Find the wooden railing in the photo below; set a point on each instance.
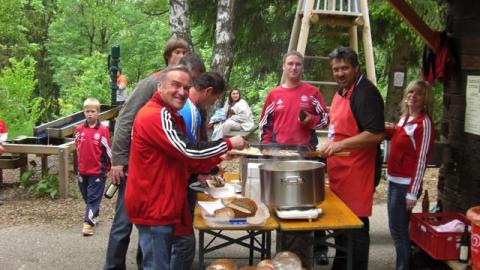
(336, 6)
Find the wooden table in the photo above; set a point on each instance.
(336, 219)
(251, 232)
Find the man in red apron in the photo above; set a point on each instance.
(356, 126)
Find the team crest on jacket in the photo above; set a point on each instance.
(279, 104)
(303, 98)
(96, 136)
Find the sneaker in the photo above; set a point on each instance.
(95, 220)
(87, 229)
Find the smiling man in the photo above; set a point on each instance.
(356, 126)
(161, 161)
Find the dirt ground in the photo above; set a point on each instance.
(21, 207)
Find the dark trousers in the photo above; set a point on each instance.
(91, 188)
(360, 245)
(120, 236)
(298, 242)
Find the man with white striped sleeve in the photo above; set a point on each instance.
(291, 114)
(161, 161)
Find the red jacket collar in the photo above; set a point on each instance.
(97, 125)
(158, 99)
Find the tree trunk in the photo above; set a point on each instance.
(399, 65)
(222, 58)
(179, 22)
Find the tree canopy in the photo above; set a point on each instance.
(53, 53)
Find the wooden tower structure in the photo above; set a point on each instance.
(345, 13)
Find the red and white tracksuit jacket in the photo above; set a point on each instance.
(93, 149)
(161, 161)
(279, 122)
(411, 142)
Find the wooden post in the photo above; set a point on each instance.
(305, 28)
(63, 171)
(412, 18)
(44, 164)
(354, 38)
(367, 43)
(292, 45)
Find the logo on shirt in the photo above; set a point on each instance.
(96, 136)
(303, 98)
(331, 133)
(279, 104)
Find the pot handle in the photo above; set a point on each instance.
(292, 180)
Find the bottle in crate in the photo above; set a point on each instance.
(464, 246)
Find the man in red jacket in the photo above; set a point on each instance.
(161, 161)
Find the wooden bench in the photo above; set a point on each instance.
(12, 162)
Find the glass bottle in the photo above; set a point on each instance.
(110, 190)
(464, 246)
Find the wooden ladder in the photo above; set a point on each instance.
(345, 13)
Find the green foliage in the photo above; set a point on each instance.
(47, 185)
(13, 39)
(17, 106)
(83, 78)
(253, 90)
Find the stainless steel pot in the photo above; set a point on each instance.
(292, 183)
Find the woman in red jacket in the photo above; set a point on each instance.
(411, 142)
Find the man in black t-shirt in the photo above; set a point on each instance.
(356, 126)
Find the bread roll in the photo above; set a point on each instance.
(243, 207)
(225, 212)
(265, 265)
(222, 264)
(249, 268)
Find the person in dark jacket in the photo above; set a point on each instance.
(119, 238)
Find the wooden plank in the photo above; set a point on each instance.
(470, 62)
(412, 18)
(321, 83)
(30, 149)
(336, 215)
(334, 21)
(469, 45)
(68, 130)
(336, 13)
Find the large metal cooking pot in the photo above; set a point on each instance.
(292, 183)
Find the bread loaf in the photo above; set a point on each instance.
(225, 212)
(222, 264)
(243, 207)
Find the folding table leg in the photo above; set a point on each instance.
(201, 250)
(263, 247)
(252, 243)
(269, 243)
(349, 251)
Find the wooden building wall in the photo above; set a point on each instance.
(459, 180)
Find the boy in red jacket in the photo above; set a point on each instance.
(93, 151)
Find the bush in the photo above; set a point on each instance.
(47, 185)
(17, 107)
